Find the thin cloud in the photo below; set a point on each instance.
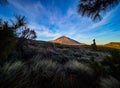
(101, 23)
(49, 21)
(43, 31)
(33, 11)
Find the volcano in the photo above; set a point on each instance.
(66, 40)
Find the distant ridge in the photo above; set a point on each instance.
(66, 40)
(113, 45)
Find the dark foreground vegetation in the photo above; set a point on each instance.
(50, 65)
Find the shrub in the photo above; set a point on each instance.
(109, 82)
(7, 41)
(81, 75)
(14, 75)
(113, 64)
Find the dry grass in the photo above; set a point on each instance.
(50, 65)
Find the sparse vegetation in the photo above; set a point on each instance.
(7, 39)
(53, 65)
(10, 38)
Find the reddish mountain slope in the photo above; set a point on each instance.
(65, 40)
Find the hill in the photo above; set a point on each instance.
(65, 40)
(113, 45)
(60, 52)
(52, 65)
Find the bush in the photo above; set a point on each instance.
(14, 75)
(109, 82)
(7, 42)
(112, 63)
(37, 73)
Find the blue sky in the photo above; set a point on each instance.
(54, 18)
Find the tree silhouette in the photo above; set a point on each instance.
(23, 33)
(27, 33)
(94, 8)
(9, 36)
(19, 24)
(19, 21)
(7, 39)
(2, 2)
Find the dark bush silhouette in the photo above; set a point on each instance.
(112, 63)
(93, 8)
(9, 36)
(7, 39)
(3, 2)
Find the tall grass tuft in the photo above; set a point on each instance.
(109, 82)
(14, 75)
(46, 73)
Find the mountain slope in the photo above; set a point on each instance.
(65, 40)
(113, 45)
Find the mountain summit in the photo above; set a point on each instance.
(65, 40)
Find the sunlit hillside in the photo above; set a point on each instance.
(113, 45)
